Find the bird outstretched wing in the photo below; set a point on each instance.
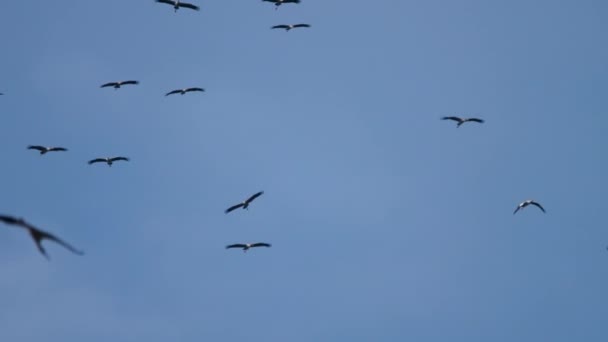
(173, 92)
(474, 120)
(236, 245)
(119, 158)
(187, 5)
(12, 220)
(234, 207)
(129, 82)
(97, 160)
(254, 196)
(168, 2)
(280, 27)
(454, 118)
(301, 25)
(193, 89)
(58, 149)
(110, 84)
(37, 148)
(538, 205)
(517, 209)
(260, 244)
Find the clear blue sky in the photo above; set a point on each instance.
(387, 223)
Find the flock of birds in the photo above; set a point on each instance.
(38, 235)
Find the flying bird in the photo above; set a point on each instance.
(461, 120)
(245, 204)
(38, 235)
(289, 27)
(527, 203)
(246, 246)
(183, 91)
(177, 4)
(44, 149)
(278, 3)
(117, 85)
(109, 161)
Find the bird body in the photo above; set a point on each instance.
(246, 246)
(289, 26)
(44, 149)
(38, 235)
(245, 204)
(183, 91)
(177, 4)
(109, 161)
(118, 84)
(527, 203)
(462, 120)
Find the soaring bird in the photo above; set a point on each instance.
(278, 3)
(177, 4)
(246, 203)
(289, 27)
(461, 120)
(527, 203)
(246, 246)
(38, 235)
(44, 149)
(109, 161)
(183, 91)
(117, 85)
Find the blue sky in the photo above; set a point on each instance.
(387, 224)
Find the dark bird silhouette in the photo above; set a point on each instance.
(117, 85)
(278, 3)
(177, 4)
(245, 204)
(38, 235)
(461, 120)
(183, 91)
(246, 246)
(527, 203)
(109, 161)
(44, 149)
(289, 27)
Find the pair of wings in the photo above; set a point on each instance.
(47, 149)
(178, 91)
(105, 160)
(240, 245)
(38, 235)
(283, 1)
(461, 120)
(521, 205)
(180, 4)
(247, 201)
(289, 26)
(113, 84)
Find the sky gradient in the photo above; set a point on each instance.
(387, 224)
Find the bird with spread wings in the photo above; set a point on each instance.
(183, 91)
(246, 246)
(177, 4)
(44, 149)
(460, 121)
(109, 161)
(118, 84)
(527, 203)
(38, 235)
(288, 27)
(245, 204)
